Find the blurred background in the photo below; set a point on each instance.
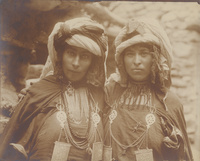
(26, 24)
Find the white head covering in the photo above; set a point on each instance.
(149, 31)
(85, 43)
(145, 31)
(77, 40)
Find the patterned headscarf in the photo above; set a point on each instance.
(79, 32)
(145, 31)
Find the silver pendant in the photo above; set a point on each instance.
(61, 117)
(97, 151)
(96, 119)
(70, 89)
(60, 151)
(107, 153)
(144, 155)
(150, 119)
(112, 115)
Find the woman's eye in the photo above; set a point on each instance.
(129, 53)
(70, 53)
(84, 56)
(145, 53)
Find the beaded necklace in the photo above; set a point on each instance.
(94, 119)
(88, 141)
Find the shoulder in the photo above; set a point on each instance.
(113, 89)
(45, 82)
(51, 79)
(112, 83)
(96, 91)
(173, 101)
(173, 98)
(46, 85)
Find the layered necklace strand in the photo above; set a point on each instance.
(134, 96)
(64, 119)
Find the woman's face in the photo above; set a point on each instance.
(138, 62)
(75, 63)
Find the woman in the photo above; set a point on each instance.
(59, 118)
(145, 120)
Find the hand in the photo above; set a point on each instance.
(22, 93)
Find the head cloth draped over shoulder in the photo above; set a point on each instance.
(144, 31)
(79, 32)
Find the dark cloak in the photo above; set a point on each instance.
(37, 100)
(172, 112)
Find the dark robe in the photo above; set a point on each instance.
(170, 109)
(31, 114)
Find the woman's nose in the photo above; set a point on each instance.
(76, 62)
(137, 59)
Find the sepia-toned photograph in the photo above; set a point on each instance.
(99, 80)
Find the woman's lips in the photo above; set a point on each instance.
(72, 71)
(137, 70)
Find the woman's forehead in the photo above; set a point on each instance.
(140, 46)
(77, 49)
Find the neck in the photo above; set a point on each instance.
(74, 84)
(139, 87)
(138, 83)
